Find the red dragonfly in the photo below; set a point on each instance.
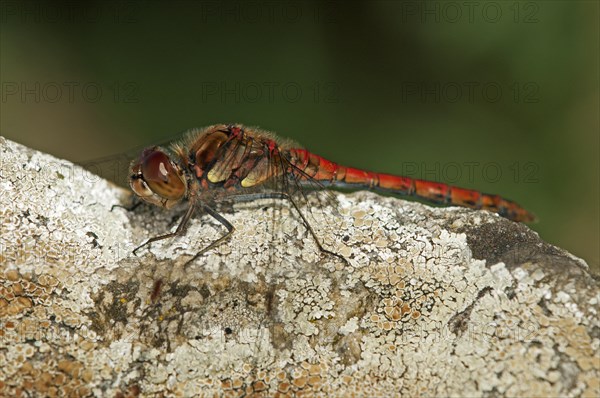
(246, 164)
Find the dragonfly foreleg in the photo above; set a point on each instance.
(179, 231)
(135, 204)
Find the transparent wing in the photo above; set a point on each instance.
(292, 195)
(310, 203)
(116, 167)
(319, 204)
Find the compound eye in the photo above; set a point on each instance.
(161, 175)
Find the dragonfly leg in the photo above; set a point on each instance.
(224, 222)
(180, 229)
(314, 235)
(134, 205)
(282, 195)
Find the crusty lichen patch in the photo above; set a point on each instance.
(419, 307)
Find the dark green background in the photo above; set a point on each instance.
(339, 74)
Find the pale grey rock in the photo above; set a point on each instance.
(431, 301)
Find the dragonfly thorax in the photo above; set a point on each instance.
(156, 179)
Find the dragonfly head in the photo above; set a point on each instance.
(156, 179)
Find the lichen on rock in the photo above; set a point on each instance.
(430, 301)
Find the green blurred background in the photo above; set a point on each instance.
(501, 96)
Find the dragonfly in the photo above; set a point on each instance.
(233, 161)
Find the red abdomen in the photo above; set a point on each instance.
(332, 174)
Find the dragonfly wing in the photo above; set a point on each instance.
(114, 168)
(318, 205)
(117, 167)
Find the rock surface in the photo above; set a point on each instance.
(430, 302)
